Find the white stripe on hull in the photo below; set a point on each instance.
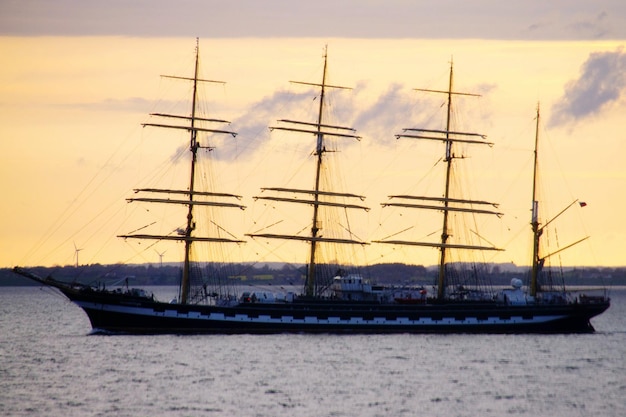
(330, 321)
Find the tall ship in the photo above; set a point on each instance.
(335, 297)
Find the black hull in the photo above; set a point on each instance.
(149, 317)
(133, 312)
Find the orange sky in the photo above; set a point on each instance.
(71, 109)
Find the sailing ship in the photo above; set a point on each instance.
(347, 303)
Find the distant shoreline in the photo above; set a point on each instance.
(288, 274)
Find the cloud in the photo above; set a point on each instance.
(252, 126)
(376, 119)
(583, 21)
(593, 28)
(445, 19)
(387, 115)
(602, 82)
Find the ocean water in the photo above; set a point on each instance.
(51, 366)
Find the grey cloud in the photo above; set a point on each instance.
(394, 109)
(391, 112)
(594, 27)
(252, 127)
(449, 19)
(584, 21)
(377, 122)
(602, 81)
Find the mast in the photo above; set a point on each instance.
(320, 130)
(534, 223)
(193, 148)
(447, 202)
(191, 194)
(537, 227)
(310, 282)
(448, 160)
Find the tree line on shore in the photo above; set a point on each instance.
(289, 274)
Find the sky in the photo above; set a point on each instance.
(79, 77)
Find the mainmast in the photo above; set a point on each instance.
(191, 193)
(447, 203)
(319, 197)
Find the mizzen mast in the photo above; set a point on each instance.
(534, 274)
(191, 195)
(538, 228)
(320, 130)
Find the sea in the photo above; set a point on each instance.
(52, 365)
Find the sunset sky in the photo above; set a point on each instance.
(79, 77)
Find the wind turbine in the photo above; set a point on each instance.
(161, 256)
(76, 250)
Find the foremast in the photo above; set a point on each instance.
(447, 203)
(317, 197)
(191, 195)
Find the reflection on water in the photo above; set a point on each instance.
(50, 366)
